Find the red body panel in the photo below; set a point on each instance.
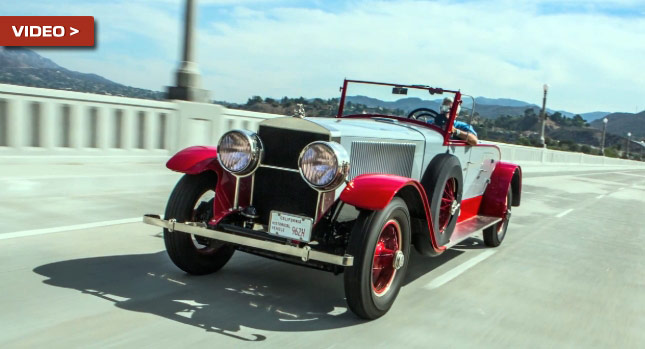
(469, 208)
(375, 191)
(195, 160)
(494, 200)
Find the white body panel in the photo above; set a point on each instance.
(477, 162)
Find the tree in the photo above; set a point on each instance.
(254, 100)
(578, 121)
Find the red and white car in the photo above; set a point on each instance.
(349, 194)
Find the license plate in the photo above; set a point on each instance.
(290, 226)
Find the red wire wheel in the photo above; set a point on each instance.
(447, 199)
(380, 244)
(443, 183)
(387, 245)
(493, 236)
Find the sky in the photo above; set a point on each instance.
(590, 53)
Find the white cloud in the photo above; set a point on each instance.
(591, 60)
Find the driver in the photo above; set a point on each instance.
(460, 130)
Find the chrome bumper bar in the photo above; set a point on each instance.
(305, 253)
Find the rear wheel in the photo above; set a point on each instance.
(192, 201)
(443, 184)
(380, 244)
(494, 235)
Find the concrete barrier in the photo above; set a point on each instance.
(59, 127)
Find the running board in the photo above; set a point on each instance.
(305, 253)
(467, 228)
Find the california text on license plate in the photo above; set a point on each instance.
(290, 226)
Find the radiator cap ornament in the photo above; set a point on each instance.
(300, 111)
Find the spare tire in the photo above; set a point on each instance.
(443, 182)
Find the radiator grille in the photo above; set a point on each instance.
(283, 191)
(280, 189)
(381, 157)
(282, 147)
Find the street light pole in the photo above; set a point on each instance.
(187, 78)
(629, 139)
(604, 130)
(543, 115)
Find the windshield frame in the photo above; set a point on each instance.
(431, 90)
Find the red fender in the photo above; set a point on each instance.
(494, 198)
(197, 159)
(375, 191)
(194, 160)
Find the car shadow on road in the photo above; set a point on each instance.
(248, 293)
(421, 265)
(248, 296)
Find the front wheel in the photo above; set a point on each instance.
(192, 201)
(494, 235)
(380, 244)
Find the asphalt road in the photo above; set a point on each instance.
(571, 273)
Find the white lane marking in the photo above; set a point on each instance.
(631, 174)
(527, 192)
(591, 174)
(621, 188)
(453, 273)
(24, 233)
(600, 196)
(562, 214)
(108, 175)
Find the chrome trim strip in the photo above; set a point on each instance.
(279, 168)
(236, 200)
(305, 253)
(317, 206)
(252, 189)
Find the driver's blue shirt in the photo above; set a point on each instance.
(462, 126)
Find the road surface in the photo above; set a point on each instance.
(571, 273)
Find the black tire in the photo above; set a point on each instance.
(442, 169)
(364, 298)
(494, 235)
(195, 256)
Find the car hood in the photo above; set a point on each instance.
(369, 127)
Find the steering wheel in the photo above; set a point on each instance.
(427, 115)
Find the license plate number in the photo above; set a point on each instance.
(290, 226)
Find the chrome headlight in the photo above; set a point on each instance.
(239, 152)
(324, 165)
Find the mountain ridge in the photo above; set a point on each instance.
(20, 66)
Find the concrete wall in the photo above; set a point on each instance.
(535, 156)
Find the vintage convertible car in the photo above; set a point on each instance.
(347, 194)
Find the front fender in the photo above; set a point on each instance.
(375, 191)
(194, 160)
(506, 175)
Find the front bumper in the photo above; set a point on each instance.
(305, 253)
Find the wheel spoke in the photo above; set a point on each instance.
(383, 259)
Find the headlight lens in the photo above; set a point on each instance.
(239, 152)
(324, 165)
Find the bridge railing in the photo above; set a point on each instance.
(84, 126)
(57, 125)
(533, 155)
